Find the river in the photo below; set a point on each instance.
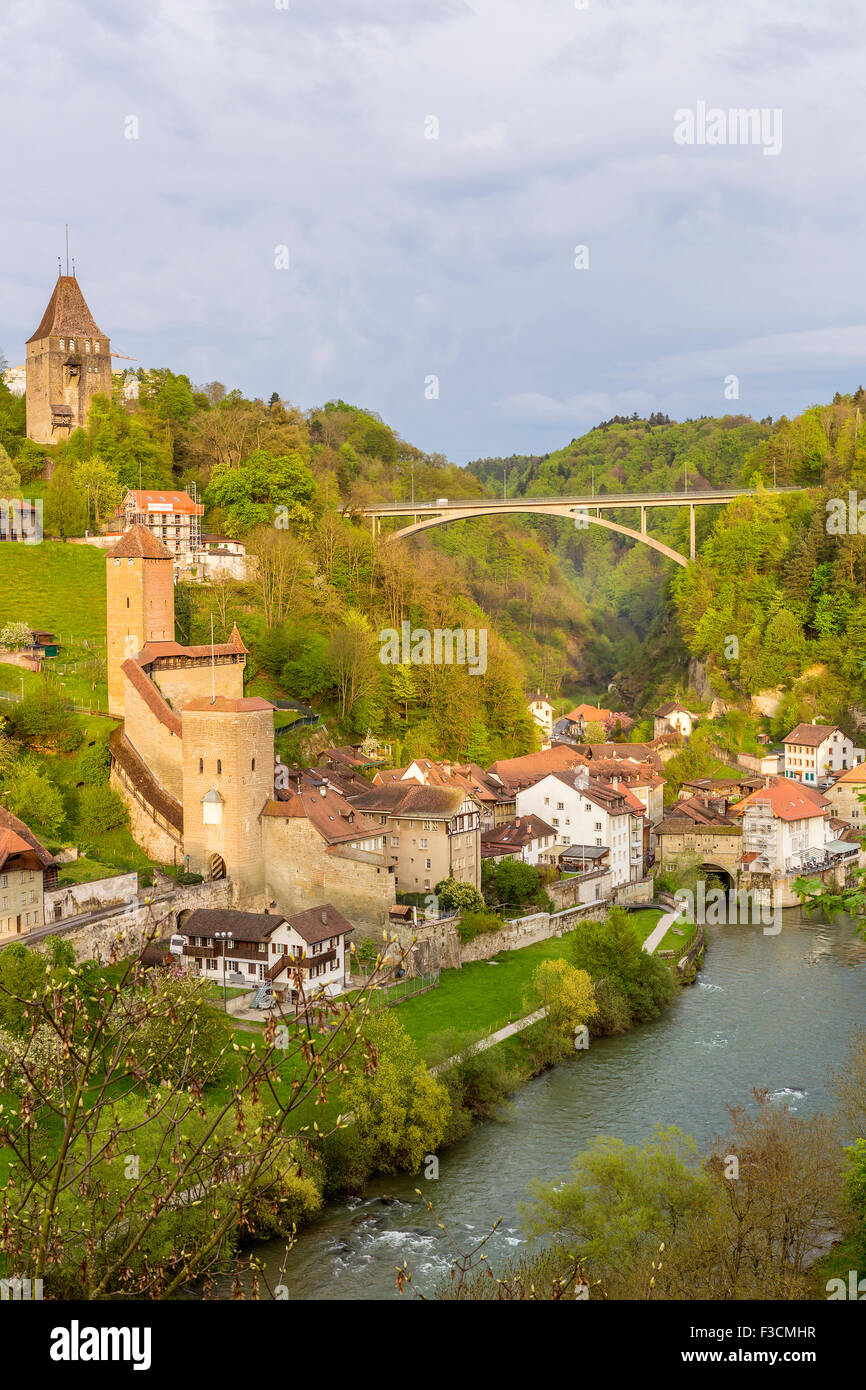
(767, 1011)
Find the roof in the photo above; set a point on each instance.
(223, 705)
(695, 812)
(335, 818)
(523, 771)
(614, 800)
(178, 501)
(515, 834)
(669, 708)
(151, 696)
(856, 774)
(67, 313)
(140, 543)
(319, 923)
(152, 651)
(811, 735)
(411, 798)
(244, 926)
(8, 822)
(584, 852)
(591, 714)
(786, 799)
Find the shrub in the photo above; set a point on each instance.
(474, 924)
(32, 797)
(100, 809)
(458, 897)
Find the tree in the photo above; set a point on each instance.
(399, 1111)
(149, 1171)
(350, 662)
(65, 505)
(10, 480)
(100, 808)
(100, 484)
(282, 561)
(16, 635)
(514, 883)
(610, 950)
(34, 799)
(458, 897)
(566, 993)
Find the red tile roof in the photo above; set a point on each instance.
(811, 735)
(178, 501)
(786, 800)
(151, 696)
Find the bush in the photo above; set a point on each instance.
(41, 720)
(34, 799)
(100, 809)
(93, 763)
(610, 950)
(614, 1014)
(474, 924)
(458, 897)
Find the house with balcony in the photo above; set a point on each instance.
(299, 957)
(431, 833)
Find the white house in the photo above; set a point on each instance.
(542, 712)
(813, 751)
(784, 827)
(305, 951)
(585, 811)
(673, 718)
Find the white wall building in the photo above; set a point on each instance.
(267, 948)
(813, 751)
(585, 811)
(784, 826)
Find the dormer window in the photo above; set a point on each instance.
(95, 347)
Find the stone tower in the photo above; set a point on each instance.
(140, 607)
(228, 779)
(68, 362)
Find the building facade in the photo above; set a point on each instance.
(815, 751)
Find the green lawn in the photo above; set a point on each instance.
(55, 586)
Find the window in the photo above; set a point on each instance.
(547, 801)
(252, 764)
(422, 844)
(127, 603)
(560, 805)
(201, 765)
(428, 864)
(219, 766)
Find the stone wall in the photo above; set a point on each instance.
(77, 898)
(156, 842)
(125, 931)
(639, 892)
(438, 946)
(302, 872)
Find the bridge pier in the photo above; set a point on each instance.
(692, 532)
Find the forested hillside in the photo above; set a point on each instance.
(773, 596)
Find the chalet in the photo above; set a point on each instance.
(300, 956)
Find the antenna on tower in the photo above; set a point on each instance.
(67, 248)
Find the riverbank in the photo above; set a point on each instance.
(751, 1020)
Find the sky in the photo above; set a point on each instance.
(383, 200)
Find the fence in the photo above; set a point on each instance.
(407, 988)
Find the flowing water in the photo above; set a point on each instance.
(767, 1011)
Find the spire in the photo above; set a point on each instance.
(67, 313)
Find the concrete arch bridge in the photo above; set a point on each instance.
(583, 511)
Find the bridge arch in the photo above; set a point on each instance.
(569, 512)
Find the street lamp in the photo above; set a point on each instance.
(225, 937)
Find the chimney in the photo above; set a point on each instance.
(324, 917)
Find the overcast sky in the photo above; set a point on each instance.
(261, 127)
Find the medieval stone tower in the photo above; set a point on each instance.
(228, 779)
(68, 362)
(140, 609)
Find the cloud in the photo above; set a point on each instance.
(409, 255)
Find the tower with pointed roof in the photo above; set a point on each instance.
(140, 604)
(68, 362)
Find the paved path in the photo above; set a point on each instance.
(658, 931)
(507, 1032)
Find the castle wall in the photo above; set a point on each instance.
(148, 834)
(140, 609)
(159, 748)
(182, 683)
(301, 873)
(231, 752)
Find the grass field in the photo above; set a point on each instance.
(55, 586)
